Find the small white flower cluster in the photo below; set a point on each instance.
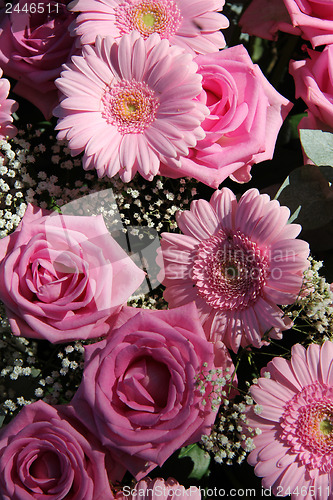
(313, 310)
(17, 356)
(12, 191)
(214, 386)
(232, 438)
(52, 375)
(230, 441)
(151, 300)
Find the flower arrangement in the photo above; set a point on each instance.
(166, 306)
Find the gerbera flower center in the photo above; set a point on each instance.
(310, 430)
(148, 16)
(229, 270)
(130, 106)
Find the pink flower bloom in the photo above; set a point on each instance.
(63, 277)
(33, 46)
(314, 18)
(236, 261)
(192, 25)
(314, 83)
(7, 107)
(139, 393)
(264, 18)
(246, 114)
(46, 453)
(158, 489)
(311, 19)
(130, 105)
(293, 453)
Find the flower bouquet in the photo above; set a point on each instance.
(166, 249)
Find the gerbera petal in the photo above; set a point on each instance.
(125, 57)
(292, 475)
(270, 451)
(312, 358)
(266, 467)
(200, 222)
(183, 242)
(280, 391)
(283, 372)
(249, 211)
(300, 370)
(326, 359)
(224, 203)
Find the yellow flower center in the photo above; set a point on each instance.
(148, 18)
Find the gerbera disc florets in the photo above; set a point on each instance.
(130, 106)
(307, 424)
(230, 270)
(148, 16)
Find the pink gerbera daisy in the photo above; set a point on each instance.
(193, 25)
(158, 489)
(294, 412)
(130, 105)
(236, 261)
(7, 107)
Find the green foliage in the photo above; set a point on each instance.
(318, 146)
(200, 459)
(307, 192)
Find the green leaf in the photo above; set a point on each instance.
(2, 418)
(257, 49)
(35, 372)
(293, 122)
(318, 146)
(294, 215)
(308, 193)
(200, 459)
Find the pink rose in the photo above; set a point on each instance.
(139, 393)
(246, 114)
(44, 453)
(63, 276)
(314, 18)
(158, 489)
(311, 19)
(314, 83)
(33, 46)
(264, 18)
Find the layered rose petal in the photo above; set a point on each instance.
(246, 114)
(33, 47)
(237, 261)
(46, 453)
(63, 277)
(311, 19)
(293, 451)
(314, 18)
(314, 84)
(264, 18)
(139, 392)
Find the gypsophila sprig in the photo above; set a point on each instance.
(312, 313)
(211, 385)
(229, 432)
(12, 188)
(52, 374)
